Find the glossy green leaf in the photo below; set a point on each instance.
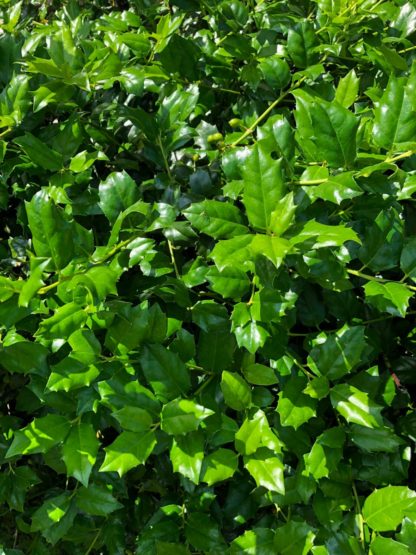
(347, 89)
(187, 454)
(338, 354)
(220, 220)
(375, 439)
(325, 454)
(79, 452)
(236, 391)
(133, 419)
(230, 282)
(259, 374)
(117, 193)
(394, 122)
(356, 406)
(266, 469)
(294, 407)
(129, 450)
(263, 186)
(253, 542)
(255, 432)
(326, 131)
(384, 546)
(39, 436)
(273, 248)
(218, 466)
(388, 297)
(23, 356)
(385, 508)
(165, 372)
(95, 500)
(232, 252)
(182, 416)
(203, 533)
(39, 152)
(294, 538)
(54, 235)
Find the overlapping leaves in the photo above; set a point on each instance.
(207, 267)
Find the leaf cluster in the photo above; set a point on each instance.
(207, 272)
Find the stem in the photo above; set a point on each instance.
(111, 253)
(253, 291)
(406, 154)
(165, 160)
(204, 385)
(374, 278)
(172, 257)
(359, 514)
(311, 181)
(3, 133)
(94, 541)
(262, 116)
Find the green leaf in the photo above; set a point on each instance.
(128, 451)
(388, 297)
(356, 406)
(273, 248)
(51, 512)
(294, 538)
(71, 374)
(203, 533)
(301, 40)
(221, 220)
(394, 115)
(408, 258)
(335, 188)
(23, 356)
(336, 355)
(219, 466)
(165, 372)
(39, 436)
(283, 215)
(347, 89)
(53, 234)
(39, 152)
(182, 416)
(407, 534)
(237, 394)
(383, 241)
(266, 469)
(187, 454)
(79, 452)
(96, 500)
(384, 509)
(259, 374)
(117, 193)
(65, 321)
(263, 186)
(321, 235)
(325, 454)
(318, 388)
(258, 541)
(134, 419)
(232, 252)
(254, 433)
(375, 439)
(385, 546)
(326, 131)
(275, 71)
(294, 407)
(230, 282)
(85, 346)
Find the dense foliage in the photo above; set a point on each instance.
(207, 272)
